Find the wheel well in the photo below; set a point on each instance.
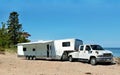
(70, 56)
(92, 57)
(67, 52)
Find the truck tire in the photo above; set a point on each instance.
(93, 61)
(70, 59)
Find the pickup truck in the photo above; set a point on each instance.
(92, 54)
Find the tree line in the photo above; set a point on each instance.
(12, 32)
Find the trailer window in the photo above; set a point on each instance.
(33, 49)
(24, 49)
(66, 44)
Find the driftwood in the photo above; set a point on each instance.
(117, 60)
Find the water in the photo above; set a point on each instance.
(116, 51)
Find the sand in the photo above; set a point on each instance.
(10, 64)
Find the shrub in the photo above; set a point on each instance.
(2, 50)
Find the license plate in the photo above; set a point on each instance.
(108, 59)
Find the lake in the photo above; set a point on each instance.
(116, 51)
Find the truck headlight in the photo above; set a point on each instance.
(97, 52)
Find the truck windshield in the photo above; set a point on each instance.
(96, 47)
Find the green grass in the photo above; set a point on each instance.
(11, 50)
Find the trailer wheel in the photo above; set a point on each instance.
(70, 59)
(33, 58)
(93, 61)
(64, 56)
(28, 57)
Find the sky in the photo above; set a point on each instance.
(93, 21)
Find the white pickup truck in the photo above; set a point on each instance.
(92, 54)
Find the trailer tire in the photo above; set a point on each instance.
(70, 59)
(33, 58)
(28, 57)
(64, 56)
(93, 61)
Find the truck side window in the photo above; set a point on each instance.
(24, 49)
(87, 48)
(81, 48)
(66, 44)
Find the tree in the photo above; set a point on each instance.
(12, 33)
(15, 30)
(4, 38)
(24, 36)
(14, 27)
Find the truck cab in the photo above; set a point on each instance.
(91, 53)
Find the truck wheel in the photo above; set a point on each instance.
(70, 59)
(93, 61)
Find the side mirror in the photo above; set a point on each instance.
(90, 51)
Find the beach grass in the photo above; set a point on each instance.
(11, 50)
(2, 50)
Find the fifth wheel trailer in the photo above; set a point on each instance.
(55, 49)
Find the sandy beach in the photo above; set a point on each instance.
(10, 64)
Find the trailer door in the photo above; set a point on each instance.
(49, 50)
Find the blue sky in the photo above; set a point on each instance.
(93, 21)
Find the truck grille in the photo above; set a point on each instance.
(107, 54)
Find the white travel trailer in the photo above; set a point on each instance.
(57, 49)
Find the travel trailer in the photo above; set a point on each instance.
(53, 49)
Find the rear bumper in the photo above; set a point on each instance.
(104, 59)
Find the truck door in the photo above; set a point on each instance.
(81, 52)
(87, 52)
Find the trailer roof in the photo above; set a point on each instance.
(38, 42)
(42, 41)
